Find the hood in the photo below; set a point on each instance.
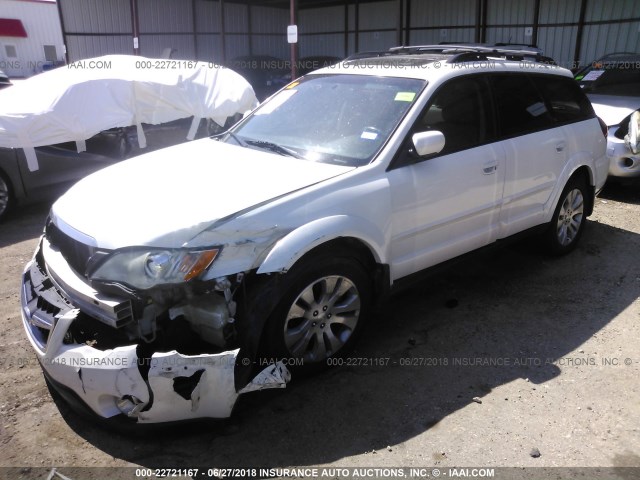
(613, 109)
(166, 197)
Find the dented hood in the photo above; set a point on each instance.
(613, 109)
(166, 197)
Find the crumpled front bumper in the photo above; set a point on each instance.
(622, 161)
(165, 387)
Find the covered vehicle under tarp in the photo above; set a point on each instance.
(78, 101)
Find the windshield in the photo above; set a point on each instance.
(339, 119)
(612, 78)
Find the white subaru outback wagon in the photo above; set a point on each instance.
(161, 281)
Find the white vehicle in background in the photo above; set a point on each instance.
(163, 285)
(612, 83)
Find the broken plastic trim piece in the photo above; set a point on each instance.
(200, 386)
(177, 387)
(274, 376)
(159, 387)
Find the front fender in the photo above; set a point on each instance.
(289, 249)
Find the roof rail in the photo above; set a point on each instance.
(460, 53)
(466, 53)
(356, 56)
(513, 46)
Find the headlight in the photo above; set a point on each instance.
(148, 268)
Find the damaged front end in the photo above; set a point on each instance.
(623, 147)
(162, 354)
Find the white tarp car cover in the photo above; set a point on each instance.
(78, 101)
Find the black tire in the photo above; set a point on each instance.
(323, 304)
(569, 219)
(6, 196)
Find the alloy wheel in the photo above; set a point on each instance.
(570, 217)
(322, 318)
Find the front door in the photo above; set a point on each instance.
(448, 204)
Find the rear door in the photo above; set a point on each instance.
(535, 147)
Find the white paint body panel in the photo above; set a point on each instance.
(444, 207)
(166, 197)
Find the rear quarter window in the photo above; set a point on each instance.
(520, 107)
(565, 101)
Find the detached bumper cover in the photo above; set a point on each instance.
(166, 387)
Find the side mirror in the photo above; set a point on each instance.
(428, 143)
(632, 138)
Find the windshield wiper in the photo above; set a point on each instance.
(240, 141)
(274, 147)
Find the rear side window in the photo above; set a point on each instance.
(520, 107)
(564, 98)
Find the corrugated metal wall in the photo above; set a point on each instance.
(377, 26)
(599, 39)
(442, 21)
(559, 41)
(166, 24)
(507, 20)
(322, 31)
(269, 31)
(95, 27)
(194, 28)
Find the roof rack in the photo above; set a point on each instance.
(467, 53)
(461, 53)
(512, 46)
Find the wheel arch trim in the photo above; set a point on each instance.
(293, 246)
(573, 169)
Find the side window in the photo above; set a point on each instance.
(461, 110)
(564, 98)
(519, 106)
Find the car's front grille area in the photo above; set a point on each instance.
(42, 302)
(76, 254)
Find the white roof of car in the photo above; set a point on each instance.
(429, 66)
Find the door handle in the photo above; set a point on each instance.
(560, 147)
(489, 168)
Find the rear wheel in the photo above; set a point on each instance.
(5, 196)
(569, 218)
(321, 311)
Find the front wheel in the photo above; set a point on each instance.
(321, 311)
(569, 218)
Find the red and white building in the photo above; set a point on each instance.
(30, 36)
